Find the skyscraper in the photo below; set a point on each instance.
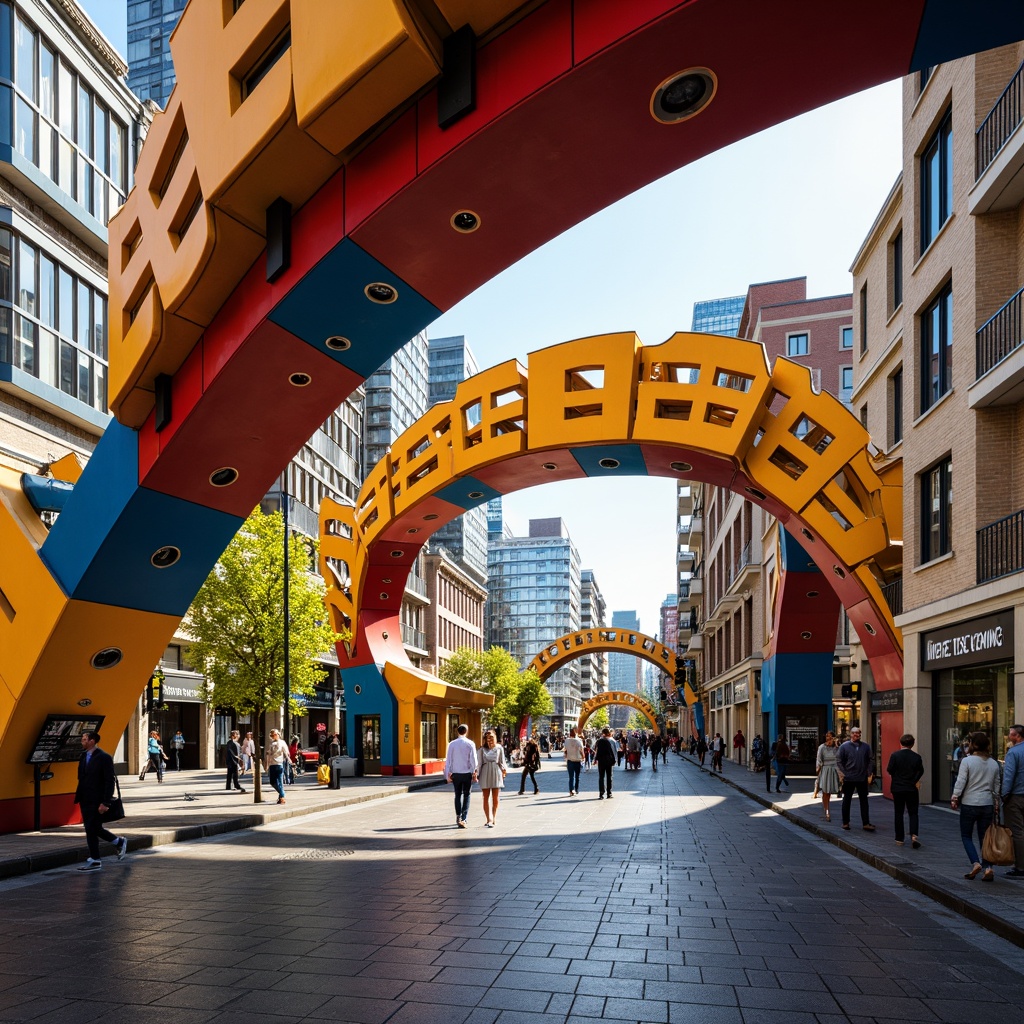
(593, 615)
(624, 670)
(150, 24)
(534, 598)
(718, 316)
(396, 397)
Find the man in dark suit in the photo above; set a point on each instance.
(233, 761)
(606, 752)
(94, 795)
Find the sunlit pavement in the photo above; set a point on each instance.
(679, 900)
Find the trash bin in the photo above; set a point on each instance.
(342, 768)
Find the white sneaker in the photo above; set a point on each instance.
(91, 865)
(122, 847)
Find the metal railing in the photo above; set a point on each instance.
(1001, 547)
(998, 336)
(417, 584)
(999, 125)
(893, 594)
(414, 637)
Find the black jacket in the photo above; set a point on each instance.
(906, 768)
(95, 779)
(607, 752)
(233, 753)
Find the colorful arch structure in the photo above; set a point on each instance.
(631, 700)
(326, 179)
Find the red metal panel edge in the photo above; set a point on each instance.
(385, 167)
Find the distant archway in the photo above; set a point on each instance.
(631, 700)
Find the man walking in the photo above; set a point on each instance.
(460, 769)
(780, 758)
(573, 760)
(233, 760)
(178, 746)
(656, 746)
(906, 768)
(1013, 797)
(606, 753)
(717, 752)
(856, 763)
(739, 746)
(94, 795)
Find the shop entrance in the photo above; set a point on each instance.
(186, 717)
(973, 698)
(804, 726)
(368, 735)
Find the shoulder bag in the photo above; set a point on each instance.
(997, 846)
(115, 809)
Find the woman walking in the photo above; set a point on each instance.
(531, 765)
(977, 795)
(491, 771)
(828, 773)
(248, 753)
(277, 763)
(157, 758)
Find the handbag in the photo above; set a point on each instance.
(997, 846)
(115, 809)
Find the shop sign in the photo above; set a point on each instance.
(885, 700)
(989, 638)
(742, 691)
(184, 690)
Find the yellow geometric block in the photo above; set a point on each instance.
(704, 392)
(357, 61)
(420, 461)
(480, 15)
(582, 392)
(491, 412)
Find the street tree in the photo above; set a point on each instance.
(237, 629)
(598, 720)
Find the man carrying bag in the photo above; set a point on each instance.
(95, 798)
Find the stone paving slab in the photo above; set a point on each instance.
(191, 805)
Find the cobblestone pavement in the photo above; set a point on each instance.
(679, 900)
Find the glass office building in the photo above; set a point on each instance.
(150, 24)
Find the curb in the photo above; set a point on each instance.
(989, 921)
(13, 867)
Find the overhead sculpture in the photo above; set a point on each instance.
(386, 158)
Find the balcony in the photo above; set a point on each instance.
(685, 499)
(696, 643)
(696, 524)
(1001, 548)
(893, 594)
(999, 357)
(414, 638)
(999, 154)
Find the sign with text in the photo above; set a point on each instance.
(989, 638)
(60, 739)
(885, 700)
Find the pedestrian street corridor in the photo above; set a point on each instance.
(679, 900)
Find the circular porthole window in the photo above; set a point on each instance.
(683, 95)
(107, 658)
(165, 557)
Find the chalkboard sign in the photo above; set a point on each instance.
(60, 739)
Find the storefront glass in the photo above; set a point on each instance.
(975, 698)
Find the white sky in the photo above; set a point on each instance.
(796, 200)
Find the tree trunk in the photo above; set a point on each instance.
(257, 764)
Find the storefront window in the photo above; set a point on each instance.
(428, 736)
(976, 698)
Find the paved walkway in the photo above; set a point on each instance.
(936, 869)
(192, 805)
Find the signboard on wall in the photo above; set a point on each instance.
(885, 700)
(60, 739)
(974, 642)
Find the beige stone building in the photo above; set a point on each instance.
(939, 382)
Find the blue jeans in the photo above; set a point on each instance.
(780, 775)
(463, 782)
(573, 768)
(970, 816)
(276, 775)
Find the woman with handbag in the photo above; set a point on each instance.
(157, 757)
(531, 765)
(491, 771)
(976, 794)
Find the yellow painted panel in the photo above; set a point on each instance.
(247, 146)
(421, 459)
(341, 601)
(63, 677)
(702, 391)
(355, 63)
(375, 510)
(582, 392)
(480, 15)
(491, 411)
(806, 442)
(68, 468)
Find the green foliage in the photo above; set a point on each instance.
(598, 720)
(236, 623)
(516, 694)
(639, 722)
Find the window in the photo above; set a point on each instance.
(428, 737)
(936, 511)
(897, 271)
(797, 345)
(846, 337)
(863, 319)
(937, 181)
(846, 378)
(937, 348)
(864, 416)
(896, 404)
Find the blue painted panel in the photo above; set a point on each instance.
(374, 698)
(45, 494)
(793, 554)
(105, 487)
(121, 572)
(628, 456)
(795, 679)
(330, 301)
(951, 29)
(458, 493)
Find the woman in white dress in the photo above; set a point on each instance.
(828, 773)
(491, 771)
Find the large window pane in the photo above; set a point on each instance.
(99, 198)
(6, 265)
(66, 100)
(25, 57)
(99, 133)
(47, 81)
(84, 136)
(66, 166)
(47, 358)
(47, 296)
(5, 335)
(25, 344)
(84, 378)
(99, 325)
(117, 151)
(83, 318)
(99, 398)
(65, 303)
(937, 181)
(47, 140)
(84, 195)
(28, 299)
(67, 368)
(25, 129)
(937, 348)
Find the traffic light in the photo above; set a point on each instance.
(854, 690)
(155, 691)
